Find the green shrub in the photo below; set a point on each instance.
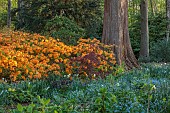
(157, 29)
(3, 20)
(41, 105)
(160, 51)
(65, 29)
(87, 14)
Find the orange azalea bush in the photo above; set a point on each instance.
(24, 55)
(93, 58)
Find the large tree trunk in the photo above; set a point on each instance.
(144, 43)
(115, 31)
(168, 18)
(9, 14)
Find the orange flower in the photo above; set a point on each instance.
(31, 73)
(30, 76)
(65, 61)
(0, 70)
(34, 61)
(23, 77)
(88, 61)
(56, 60)
(50, 55)
(68, 71)
(26, 71)
(25, 51)
(45, 75)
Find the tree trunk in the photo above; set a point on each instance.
(168, 18)
(19, 10)
(115, 31)
(9, 14)
(152, 7)
(155, 6)
(144, 43)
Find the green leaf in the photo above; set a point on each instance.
(98, 100)
(55, 111)
(113, 98)
(20, 107)
(46, 102)
(103, 90)
(30, 108)
(36, 111)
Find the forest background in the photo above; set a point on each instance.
(71, 19)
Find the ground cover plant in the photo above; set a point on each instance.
(137, 91)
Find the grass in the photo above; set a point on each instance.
(145, 90)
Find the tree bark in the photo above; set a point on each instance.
(168, 18)
(152, 7)
(9, 14)
(144, 43)
(115, 31)
(19, 10)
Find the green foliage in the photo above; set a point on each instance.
(3, 12)
(130, 93)
(37, 16)
(24, 92)
(65, 29)
(134, 31)
(104, 101)
(41, 106)
(89, 15)
(160, 51)
(157, 29)
(157, 26)
(3, 17)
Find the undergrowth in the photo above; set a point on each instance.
(137, 91)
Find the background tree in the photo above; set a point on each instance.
(168, 18)
(19, 10)
(115, 31)
(9, 14)
(144, 43)
(85, 13)
(156, 23)
(71, 19)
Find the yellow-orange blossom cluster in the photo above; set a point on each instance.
(24, 55)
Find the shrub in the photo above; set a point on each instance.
(65, 29)
(160, 51)
(3, 17)
(93, 58)
(157, 29)
(24, 55)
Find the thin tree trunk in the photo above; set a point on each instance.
(20, 12)
(9, 14)
(19, 8)
(144, 43)
(155, 6)
(115, 31)
(133, 5)
(152, 7)
(168, 18)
